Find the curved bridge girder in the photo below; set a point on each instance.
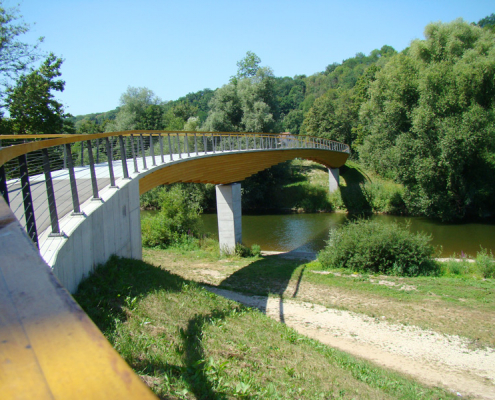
(224, 168)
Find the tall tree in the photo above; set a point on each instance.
(31, 103)
(247, 103)
(430, 121)
(15, 56)
(248, 66)
(138, 110)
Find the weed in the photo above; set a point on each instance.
(485, 263)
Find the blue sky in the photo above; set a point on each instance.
(177, 47)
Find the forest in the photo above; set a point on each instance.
(423, 118)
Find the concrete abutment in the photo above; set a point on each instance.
(229, 214)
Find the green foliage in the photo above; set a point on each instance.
(248, 103)
(429, 121)
(371, 247)
(333, 116)
(177, 223)
(345, 75)
(384, 197)
(201, 194)
(487, 23)
(485, 263)
(32, 105)
(248, 66)
(15, 56)
(139, 109)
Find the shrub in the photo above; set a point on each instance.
(177, 223)
(372, 247)
(485, 263)
(256, 250)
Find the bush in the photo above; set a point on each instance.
(177, 223)
(485, 263)
(373, 247)
(256, 250)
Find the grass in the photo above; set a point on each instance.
(187, 343)
(454, 305)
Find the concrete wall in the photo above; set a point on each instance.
(110, 226)
(229, 214)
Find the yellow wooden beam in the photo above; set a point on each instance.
(49, 348)
(228, 168)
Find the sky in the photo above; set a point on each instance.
(183, 46)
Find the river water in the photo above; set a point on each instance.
(309, 232)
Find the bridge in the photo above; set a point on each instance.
(74, 201)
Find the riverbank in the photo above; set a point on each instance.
(188, 343)
(451, 317)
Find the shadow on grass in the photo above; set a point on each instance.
(270, 275)
(352, 194)
(115, 285)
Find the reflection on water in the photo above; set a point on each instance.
(309, 232)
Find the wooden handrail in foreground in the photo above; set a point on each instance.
(49, 348)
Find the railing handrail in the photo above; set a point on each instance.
(11, 152)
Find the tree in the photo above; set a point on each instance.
(32, 107)
(430, 120)
(15, 56)
(248, 66)
(138, 110)
(245, 104)
(333, 116)
(487, 23)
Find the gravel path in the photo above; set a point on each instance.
(432, 358)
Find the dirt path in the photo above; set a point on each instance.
(430, 357)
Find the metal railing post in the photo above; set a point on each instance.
(160, 139)
(65, 156)
(94, 182)
(142, 151)
(133, 151)
(124, 158)
(204, 143)
(187, 145)
(152, 151)
(82, 154)
(178, 146)
(28, 200)
(52, 206)
(72, 178)
(196, 144)
(3, 185)
(170, 148)
(110, 163)
(97, 151)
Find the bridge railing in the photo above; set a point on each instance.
(40, 173)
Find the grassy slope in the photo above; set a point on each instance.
(360, 191)
(452, 305)
(188, 343)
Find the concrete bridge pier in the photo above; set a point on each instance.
(229, 214)
(333, 178)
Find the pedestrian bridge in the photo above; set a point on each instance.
(77, 199)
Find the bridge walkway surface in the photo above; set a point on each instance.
(65, 219)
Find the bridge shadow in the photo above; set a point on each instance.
(270, 277)
(108, 294)
(352, 194)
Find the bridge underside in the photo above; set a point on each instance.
(224, 168)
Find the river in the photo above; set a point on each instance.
(309, 232)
